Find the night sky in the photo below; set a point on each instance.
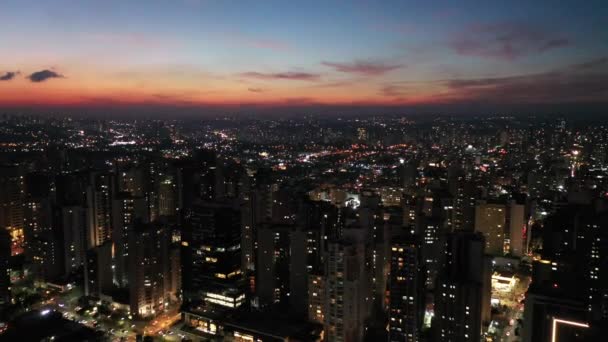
(282, 54)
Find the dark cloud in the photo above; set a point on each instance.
(337, 84)
(554, 44)
(393, 90)
(298, 76)
(550, 87)
(507, 41)
(363, 67)
(256, 90)
(43, 75)
(9, 75)
(592, 64)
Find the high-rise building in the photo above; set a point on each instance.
(248, 231)
(431, 227)
(99, 203)
(98, 270)
(131, 180)
(406, 289)
(464, 193)
(568, 296)
(273, 259)
(462, 294)
(126, 209)
(12, 201)
(502, 226)
(166, 197)
(282, 267)
(152, 272)
(212, 254)
(73, 223)
(5, 268)
(346, 291)
(316, 297)
(43, 236)
(490, 221)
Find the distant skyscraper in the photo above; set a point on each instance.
(131, 180)
(167, 197)
(464, 193)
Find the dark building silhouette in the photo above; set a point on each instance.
(407, 289)
(212, 254)
(462, 294)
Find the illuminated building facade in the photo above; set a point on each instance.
(99, 203)
(12, 201)
(503, 226)
(316, 296)
(346, 291)
(152, 273)
(212, 243)
(126, 209)
(406, 290)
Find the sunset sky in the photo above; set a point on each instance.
(214, 53)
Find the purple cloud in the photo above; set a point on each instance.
(9, 75)
(362, 67)
(592, 64)
(393, 90)
(297, 76)
(564, 84)
(554, 44)
(505, 41)
(43, 75)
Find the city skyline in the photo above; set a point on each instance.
(203, 57)
(319, 171)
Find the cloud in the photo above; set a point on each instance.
(393, 90)
(562, 85)
(504, 41)
(43, 75)
(9, 75)
(554, 44)
(337, 84)
(297, 76)
(256, 90)
(592, 64)
(362, 67)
